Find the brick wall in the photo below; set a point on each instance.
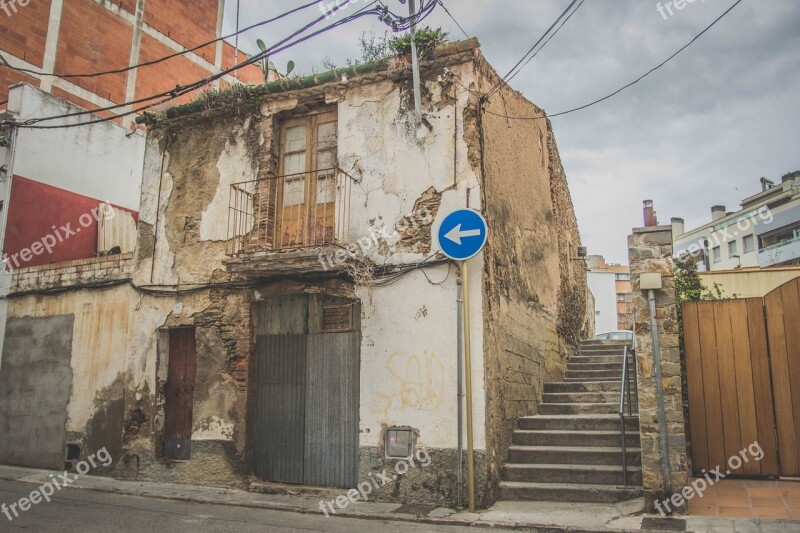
(189, 23)
(84, 46)
(23, 33)
(164, 76)
(71, 273)
(96, 35)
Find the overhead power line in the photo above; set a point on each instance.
(181, 90)
(545, 43)
(634, 82)
(505, 78)
(167, 57)
(441, 3)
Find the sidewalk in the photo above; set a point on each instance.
(532, 516)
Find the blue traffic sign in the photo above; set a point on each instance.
(462, 234)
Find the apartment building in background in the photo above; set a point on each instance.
(611, 286)
(763, 233)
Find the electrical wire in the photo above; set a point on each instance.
(545, 43)
(510, 72)
(441, 3)
(167, 57)
(390, 274)
(181, 90)
(634, 82)
(385, 15)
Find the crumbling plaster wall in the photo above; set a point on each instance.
(101, 328)
(535, 294)
(409, 340)
(409, 344)
(189, 167)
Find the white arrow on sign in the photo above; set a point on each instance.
(456, 234)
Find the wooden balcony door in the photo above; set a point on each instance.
(307, 192)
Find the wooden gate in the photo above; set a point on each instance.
(743, 374)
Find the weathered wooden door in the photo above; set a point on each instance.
(307, 190)
(179, 402)
(307, 391)
(743, 376)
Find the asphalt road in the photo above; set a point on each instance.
(86, 511)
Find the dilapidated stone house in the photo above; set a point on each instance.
(288, 317)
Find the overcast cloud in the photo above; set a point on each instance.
(699, 132)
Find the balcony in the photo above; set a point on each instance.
(779, 253)
(288, 220)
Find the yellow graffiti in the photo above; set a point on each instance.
(421, 381)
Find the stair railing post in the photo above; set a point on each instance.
(624, 386)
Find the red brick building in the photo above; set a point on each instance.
(60, 175)
(86, 36)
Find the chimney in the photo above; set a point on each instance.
(766, 184)
(678, 227)
(649, 216)
(717, 212)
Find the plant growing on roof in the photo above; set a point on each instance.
(427, 39)
(268, 66)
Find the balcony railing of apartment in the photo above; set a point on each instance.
(295, 211)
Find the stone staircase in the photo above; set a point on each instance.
(571, 451)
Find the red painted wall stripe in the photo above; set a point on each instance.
(31, 238)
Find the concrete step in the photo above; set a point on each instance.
(578, 386)
(560, 473)
(577, 438)
(604, 342)
(597, 422)
(599, 347)
(580, 397)
(614, 367)
(579, 408)
(569, 379)
(566, 492)
(609, 374)
(616, 359)
(576, 455)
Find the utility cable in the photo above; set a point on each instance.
(634, 82)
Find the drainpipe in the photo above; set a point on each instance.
(460, 393)
(662, 416)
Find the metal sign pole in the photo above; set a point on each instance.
(468, 386)
(462, 235)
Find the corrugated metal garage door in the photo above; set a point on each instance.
(307, 398)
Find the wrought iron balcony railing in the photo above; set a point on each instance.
(303, 210)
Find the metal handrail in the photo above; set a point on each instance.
(626, 388)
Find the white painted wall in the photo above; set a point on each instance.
(409, 346)
(604, 289)
(102, 161)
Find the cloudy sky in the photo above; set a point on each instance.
(701, 131)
